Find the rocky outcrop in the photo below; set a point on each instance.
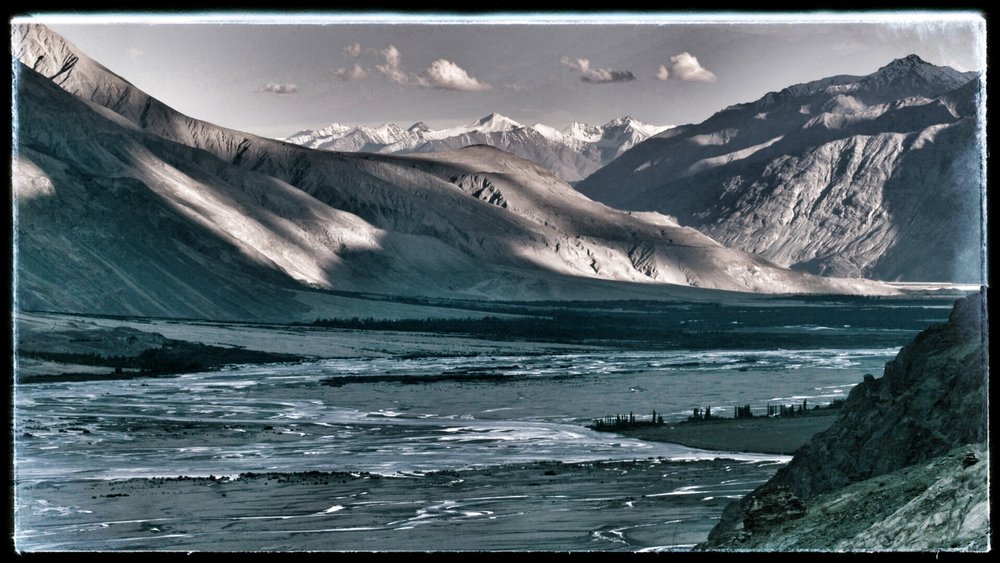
(879, 176)
(776, 506)
(480, 187)
(939, 504)
(931, 399)
(953, 512)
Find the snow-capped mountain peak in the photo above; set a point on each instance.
(550, 133)
(495, 122)
(573, 153)
(389, 132)
(621, 122)
(333, 130)
(418, 127)
(584, 132)
(630, 125)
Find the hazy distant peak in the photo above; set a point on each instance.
(389, 128)
(573, 153)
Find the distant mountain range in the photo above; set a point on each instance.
(572, 154)
(125, 206)
(880, 176)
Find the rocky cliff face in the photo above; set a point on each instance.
(931, 400)
(878, 176)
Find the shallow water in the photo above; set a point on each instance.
(450, 412)
(283, 418)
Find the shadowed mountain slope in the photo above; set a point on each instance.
(126, 206)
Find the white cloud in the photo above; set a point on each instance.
(134, 53)
(580, 64)
(356, 72)
(449, 76)
(597, 75)
(600, 75)
(353, 50)
(442, 73)
(274, 88)
(391, 68)
(663, 73)
(685, 66)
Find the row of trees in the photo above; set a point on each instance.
(623, 422)
(173, 357)
(785, 410)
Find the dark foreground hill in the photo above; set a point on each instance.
(905, 466)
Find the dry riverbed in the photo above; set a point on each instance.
(647, 504)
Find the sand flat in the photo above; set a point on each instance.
(593, 506)
(761, 434)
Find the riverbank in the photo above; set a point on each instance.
(645, 504)
(771, 435)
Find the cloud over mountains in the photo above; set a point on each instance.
(391, 67)
(685, 66)
(442, 73)
(449, 76)
(596, 75)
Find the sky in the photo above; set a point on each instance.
(276, 75)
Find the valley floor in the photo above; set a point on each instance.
(87, 447)
(650, 504)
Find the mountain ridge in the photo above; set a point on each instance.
(842, 176)
(474, 223)
(572, 153)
